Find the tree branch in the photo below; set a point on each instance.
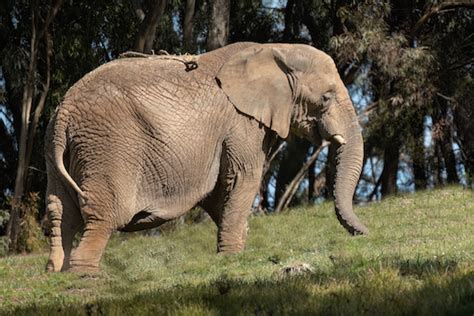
(272, 157)
(53, 10)
(435, 10)
(368, 109)
(42, 100)
(374, 191)
(293, 185)
(462, 64)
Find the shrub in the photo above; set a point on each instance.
(31, 237)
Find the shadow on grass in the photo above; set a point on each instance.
(418, 267)
(384, 287)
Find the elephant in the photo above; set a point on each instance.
(140, 141)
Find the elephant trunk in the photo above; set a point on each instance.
(348, 162)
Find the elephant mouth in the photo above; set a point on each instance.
(337, 139)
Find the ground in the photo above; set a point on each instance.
(418, 259)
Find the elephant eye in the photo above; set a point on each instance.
(327, 96)
(326, 99)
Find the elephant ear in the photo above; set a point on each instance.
(255, 81)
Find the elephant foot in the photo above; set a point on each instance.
(52, 267)
(85, 270)
(55, 263)
(229, 249)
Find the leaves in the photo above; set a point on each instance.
(371, 42)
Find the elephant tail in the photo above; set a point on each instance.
(58, 127)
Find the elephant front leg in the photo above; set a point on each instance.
(232, 226)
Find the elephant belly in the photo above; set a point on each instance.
(174, 191)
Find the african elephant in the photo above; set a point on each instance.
(140, 141)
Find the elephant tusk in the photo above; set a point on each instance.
(339, 139)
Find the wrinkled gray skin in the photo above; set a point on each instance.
(140, 141)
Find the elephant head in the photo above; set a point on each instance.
(297, 88)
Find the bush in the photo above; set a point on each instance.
(3, 247)
(4, 216)
(31, 237)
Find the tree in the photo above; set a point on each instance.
(188, 24)
(150, 17)
(449, 32)
(218, 33)
(406, 64)
(31, 111)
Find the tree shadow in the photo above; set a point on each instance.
(375, 289)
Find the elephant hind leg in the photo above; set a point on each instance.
(65, 220)
(214, 203)
(99, 225)
(86, 257)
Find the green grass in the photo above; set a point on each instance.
(418, 259)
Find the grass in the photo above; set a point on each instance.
(418, 259)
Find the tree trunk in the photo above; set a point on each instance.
(449, 157)
(294, 157)
(42, 99)
(188, 25)
(443, 137)
(437, 165)
(28, 130)
(390, 168)
(13, 225)
(289, 32)
(219, 25)
(446, 142)
(418, 155)
(419, 173)
(147, 30)
(464, 119)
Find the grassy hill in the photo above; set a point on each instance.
(418, 259)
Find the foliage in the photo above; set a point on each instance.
(4, 216)
(31, 238)
(418, 259)
(31, 235)
(404, 70)
(252, 22)
(402, 80)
